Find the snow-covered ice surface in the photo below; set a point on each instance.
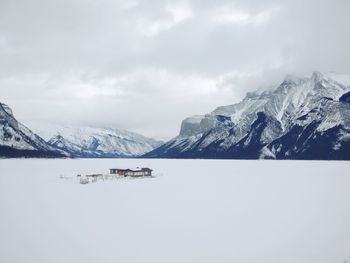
(197, 211)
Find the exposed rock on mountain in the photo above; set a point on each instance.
(303, 118)
(16, 140)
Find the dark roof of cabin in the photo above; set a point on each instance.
(130, 170)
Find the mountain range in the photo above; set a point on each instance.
(16, 140)
(302, 118)
(89, 142)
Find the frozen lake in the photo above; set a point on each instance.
(197, 211)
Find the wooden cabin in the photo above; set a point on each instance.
(132, 173)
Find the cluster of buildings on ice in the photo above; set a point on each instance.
(133, 173)
(138, 172)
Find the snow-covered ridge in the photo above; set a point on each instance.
(16, 140)
(48, 140)
(297, 101)
(95, 142)
(292, 99)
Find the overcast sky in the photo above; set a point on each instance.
(146, 65)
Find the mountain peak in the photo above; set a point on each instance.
(304, 119)
(317, 75)
(16, 140)
(6, 108)
(82, 141)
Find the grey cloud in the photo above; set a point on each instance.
(86, 62)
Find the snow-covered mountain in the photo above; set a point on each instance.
(303, 118)
(95, 142)
(16, 140)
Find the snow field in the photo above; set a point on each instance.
(198, 211)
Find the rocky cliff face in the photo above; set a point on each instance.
(16, 140)
(303, 118)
